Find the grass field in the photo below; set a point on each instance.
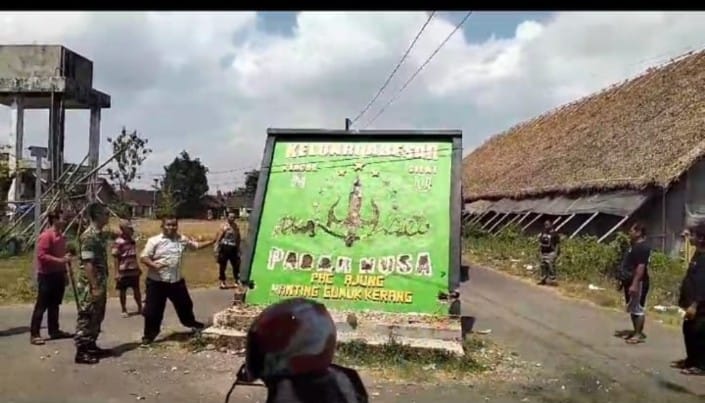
(200, 269)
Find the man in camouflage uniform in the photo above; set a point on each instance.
(92, 286)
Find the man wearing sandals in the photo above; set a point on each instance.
(52, 260)
(634, 277)
(692, 300)
(127, 270)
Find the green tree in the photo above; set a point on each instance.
(167, 205)
(126, 165)
(186, 180)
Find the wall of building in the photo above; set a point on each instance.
(26, 61)
(664, 215)
(695, 193)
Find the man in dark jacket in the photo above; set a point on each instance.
(634, 277)
(692, 300)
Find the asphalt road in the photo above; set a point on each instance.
(574, 342)
(574, 356)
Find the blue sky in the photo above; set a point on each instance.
(480, 27)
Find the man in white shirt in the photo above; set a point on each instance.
(162, 255)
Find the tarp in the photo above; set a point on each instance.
(619, 203)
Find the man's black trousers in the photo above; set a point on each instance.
(50, 293)
(155, 303)
(694, 338)
(228, 253)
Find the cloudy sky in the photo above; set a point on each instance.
(212, 83)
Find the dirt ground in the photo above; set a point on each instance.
(568, 347)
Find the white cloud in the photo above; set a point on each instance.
(211, 83)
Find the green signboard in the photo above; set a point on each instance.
(362, 225)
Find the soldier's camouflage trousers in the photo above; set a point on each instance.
(90, 317)
(548, 266)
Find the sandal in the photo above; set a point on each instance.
(635, 340)
(37, 341)
(693, 371)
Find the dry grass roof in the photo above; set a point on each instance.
(642, 133)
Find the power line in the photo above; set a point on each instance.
(416, 73)
(389, 79)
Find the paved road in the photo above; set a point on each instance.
(47, 373)
(580, 360)
(576, 339)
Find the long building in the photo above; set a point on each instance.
(631, 152)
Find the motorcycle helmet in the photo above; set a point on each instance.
(292, 337)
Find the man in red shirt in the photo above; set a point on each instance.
(52, 259)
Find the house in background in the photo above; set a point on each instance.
(632, 152)
(143, 202)
(212, 207)
(240, 202)
(215, 207)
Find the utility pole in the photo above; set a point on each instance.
(154, 197)
(348, 123)
(38, 153)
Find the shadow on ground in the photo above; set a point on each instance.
(14, 331)
(178, 337)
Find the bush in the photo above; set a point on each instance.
(582, 260)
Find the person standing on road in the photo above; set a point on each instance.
(163, 255)
(634, 278)
(227, 249)
(92, 286)
(127, 269)
(549, 249)
(692, 300)
(52, 261)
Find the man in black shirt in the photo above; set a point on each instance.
(692, 300)
(634, 275)
(549, 248)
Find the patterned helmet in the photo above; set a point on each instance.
(291, 337)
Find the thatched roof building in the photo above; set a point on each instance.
(621, 146)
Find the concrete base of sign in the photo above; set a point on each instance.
(415, 331)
